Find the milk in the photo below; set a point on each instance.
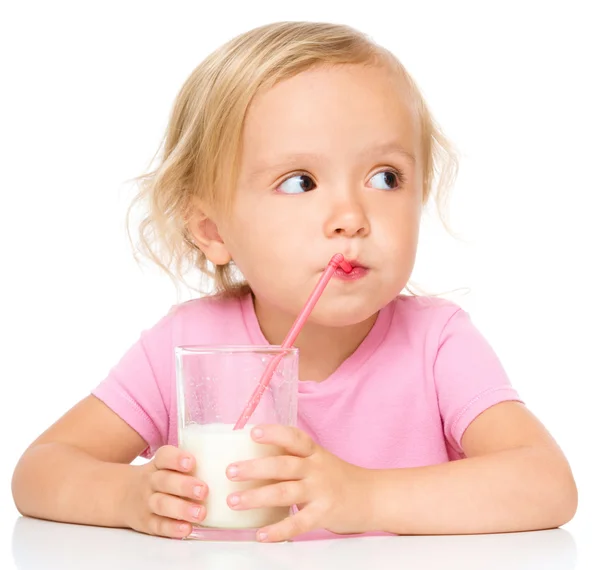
(215, 447)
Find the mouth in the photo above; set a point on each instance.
(358, 271)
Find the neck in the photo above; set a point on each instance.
(322, 348)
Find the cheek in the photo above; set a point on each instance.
(399, 239)
(269, 224)
(400, 226)
(257, 242)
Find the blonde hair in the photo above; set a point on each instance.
(200, 152)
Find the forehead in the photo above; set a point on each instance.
(339, 110)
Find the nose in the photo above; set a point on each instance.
(347, 219)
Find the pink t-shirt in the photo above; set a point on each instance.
(403, 399)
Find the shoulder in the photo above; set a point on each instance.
(425, 310)
(424, 320)
(215, 319)
(218, 306)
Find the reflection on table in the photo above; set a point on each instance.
(47, 545)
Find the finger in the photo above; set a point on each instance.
(176, 508)
(172, 483)
(299, 523)
(278, 468)
(161, 526)
(171, 457)
(283, 494)
(293, 440)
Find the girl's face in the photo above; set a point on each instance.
(329, 164)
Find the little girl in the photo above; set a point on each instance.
(291, 143)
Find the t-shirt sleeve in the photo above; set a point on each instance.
(469, 377)
(138, 388)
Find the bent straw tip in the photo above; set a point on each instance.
(339, 261)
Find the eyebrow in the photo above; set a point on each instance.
(288, 160)
(391, 148)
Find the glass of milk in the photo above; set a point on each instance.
(214, 384)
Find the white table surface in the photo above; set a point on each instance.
(40, 544)
(34, 545)
(31, 544)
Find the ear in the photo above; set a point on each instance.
(206, 237)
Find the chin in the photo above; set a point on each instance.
(343, 314)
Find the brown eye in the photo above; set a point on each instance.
(387, 180)
(297, 184)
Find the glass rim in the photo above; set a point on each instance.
(190, 349)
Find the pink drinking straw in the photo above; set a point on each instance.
(336, 261)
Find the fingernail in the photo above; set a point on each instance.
(262, 536)
(195, 512)
(233, 471)
(258, 433)
(186, 462)
(198, 491)
(183, 527)
(234, 500)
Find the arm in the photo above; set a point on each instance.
(515, 478)
(78, 470)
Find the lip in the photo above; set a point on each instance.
(358, 271)
(356, 263)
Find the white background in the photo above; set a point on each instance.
(87, 90)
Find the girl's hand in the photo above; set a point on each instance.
(328, 491)
(163, 497)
